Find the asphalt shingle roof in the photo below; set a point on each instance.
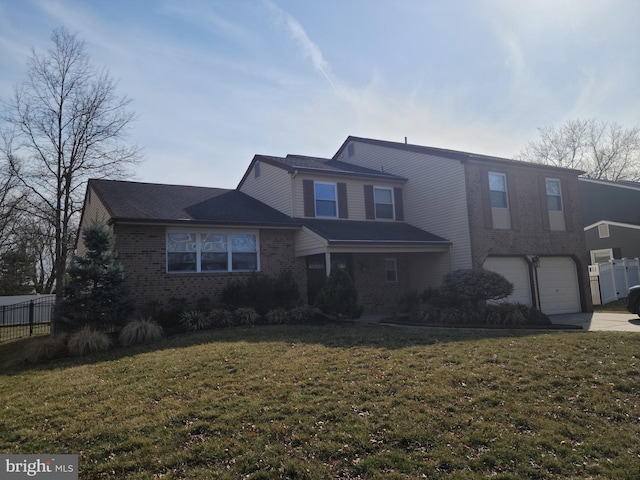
(150, 202)
(301, 162)
(352, 231)
(446, 153)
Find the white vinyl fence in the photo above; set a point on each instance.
(611, 280)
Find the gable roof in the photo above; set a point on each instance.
(157, 203)
(327, 166)
(458, 155)
(353, 231)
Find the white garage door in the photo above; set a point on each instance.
(558, 284)
(516, 270)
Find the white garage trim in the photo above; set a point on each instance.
(558, 285)
(516, 270)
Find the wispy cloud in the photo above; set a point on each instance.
(306, 45)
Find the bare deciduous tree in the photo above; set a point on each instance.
(67, 125)
(605, 151)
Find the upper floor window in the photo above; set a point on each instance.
(326, 199)
(191, 251)
(498, 190)
(554, 194)
(383, 200)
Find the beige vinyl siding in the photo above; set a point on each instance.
(308, 243)
(272, 187)
(435, 196)
(355, 192)
(94, 212)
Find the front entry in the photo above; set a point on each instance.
(316, 276)
(317, 271)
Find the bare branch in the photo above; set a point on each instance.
(67, 125)
(605, 151)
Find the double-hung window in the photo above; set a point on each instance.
(212, 251)
(326, 199)
(554, 195)
(383, 199)
(498, 190)
(391, 270)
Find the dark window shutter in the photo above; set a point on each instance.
(544, 206)
(486, 198)
(369, 206)
(512, 191)
(567, 210)
(309, 198)
(399, 205)
(343, 209)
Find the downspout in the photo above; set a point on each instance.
(294, 174)
(535, 261)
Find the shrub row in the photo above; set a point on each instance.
(194, 320)
(469, 297)
(501, 314)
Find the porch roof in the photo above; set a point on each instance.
(351, 232)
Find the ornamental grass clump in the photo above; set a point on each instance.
(221, 318)
(194, 320)
(46, 348)
(86, 341)
(140, 331)
(245, 316)
(303, 314)
(276, 317)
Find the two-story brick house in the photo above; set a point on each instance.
(398, 217)
(522, 220)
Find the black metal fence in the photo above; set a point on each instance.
(26, 319)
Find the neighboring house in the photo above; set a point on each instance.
(519, 219)
(397, 217)
(611, 212)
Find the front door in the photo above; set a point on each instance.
(316, 276)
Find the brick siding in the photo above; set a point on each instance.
(379, 296)
(141, 250)
(529, 237)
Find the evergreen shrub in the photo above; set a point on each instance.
(338, 297)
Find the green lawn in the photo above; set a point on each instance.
(342, 401)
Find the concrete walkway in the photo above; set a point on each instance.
(598, 322)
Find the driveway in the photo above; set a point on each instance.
(594, 322)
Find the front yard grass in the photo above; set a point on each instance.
(339, 401)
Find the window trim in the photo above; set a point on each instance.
(559, 196)
(393, 203)
(394, 270)
(505, 191)
(199, 233)
(335, 199)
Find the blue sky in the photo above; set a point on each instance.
(215, 82)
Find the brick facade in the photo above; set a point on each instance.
(375, 293)
(529, 235)
(141, 250)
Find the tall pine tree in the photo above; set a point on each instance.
(96, 293)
